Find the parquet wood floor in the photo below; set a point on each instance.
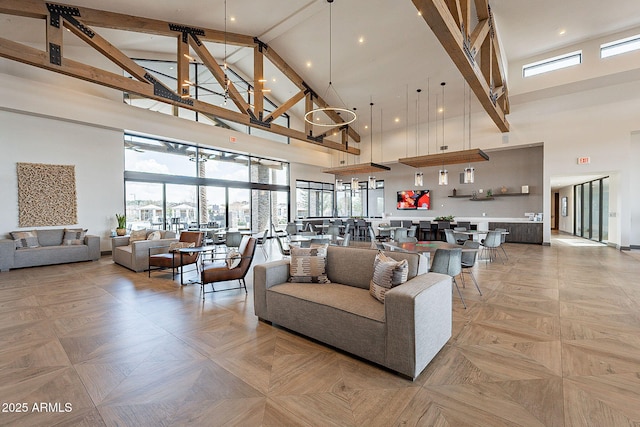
(554, 341)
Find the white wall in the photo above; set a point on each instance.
(634, 202)
(96, 153)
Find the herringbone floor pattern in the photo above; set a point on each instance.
(554, 341)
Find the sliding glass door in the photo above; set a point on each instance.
(591, 214)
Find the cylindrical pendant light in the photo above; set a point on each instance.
(469, 172)
(418, 180)
(372, 179)
(443, 174)
(355, 184)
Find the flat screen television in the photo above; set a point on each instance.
(413, 199)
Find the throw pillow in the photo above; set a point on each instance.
(137, 235)
(25, 239)
(387, 273)
(73, 236)
(180, 245)
(308, 265)
(233, 259)
(154, 235)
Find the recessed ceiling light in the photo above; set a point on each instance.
(232, 18)
(562, 32)
(366, 126)
(273, 79)
(361, 40)
(419, 13)
(397, 120)
(308, 64)
(440, 110)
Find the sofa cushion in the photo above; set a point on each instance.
(25, 239)
(50, 237)
(73, 236)
(387, 273)
(308, 265)
(137, 235)
(154, 235)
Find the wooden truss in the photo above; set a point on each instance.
(80, 21)
(475, 51)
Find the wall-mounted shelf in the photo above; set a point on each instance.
(510, 194)
(481, 198)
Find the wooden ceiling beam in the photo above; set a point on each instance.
(28, 55)
(117, 21)
(481, 80)
(212, 65)
(283, 108)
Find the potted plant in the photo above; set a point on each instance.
(122, 225)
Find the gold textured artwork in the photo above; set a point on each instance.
(46, 195)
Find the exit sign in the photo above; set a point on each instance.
(584, 160)
(232, 139)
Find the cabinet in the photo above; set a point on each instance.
(520, 232)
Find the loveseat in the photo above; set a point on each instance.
(403, 334)
(135, 255)
(46, 247)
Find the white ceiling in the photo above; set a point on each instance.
(399, 53)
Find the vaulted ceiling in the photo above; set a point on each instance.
(381, 50)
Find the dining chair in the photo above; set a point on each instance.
(490, 245)
(361, 226)
(443, 225)
(372, 235)
(347, 240)
(460, 237)
(399, 233)
(407, 223)
(234, 238)
(465, 224)
(411, 231)
(425, 228)
(319, 241)
(333, 230)
(284, 251)
(469, 261)
(449, 261)
(503, 238)
(261, 240)
(449, 237)
(396, 223)
(291, 229)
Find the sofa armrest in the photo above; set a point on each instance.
(119, 241)
(140, 252)
(419, 318)
(7, 250)
(265, 276)
(94, 246)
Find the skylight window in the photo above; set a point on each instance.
(617, 47)
(552, 64)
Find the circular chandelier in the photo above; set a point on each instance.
(350, 116)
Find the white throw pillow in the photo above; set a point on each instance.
(154, 235)
(233, 259)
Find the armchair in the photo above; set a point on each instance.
(175, 259)
(221, 273)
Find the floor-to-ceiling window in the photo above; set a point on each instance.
(364, 202)
(591, 214)
(174, 185)
(314, 199)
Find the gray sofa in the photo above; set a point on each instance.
(403, 334)
(135, 256)
(50, 251)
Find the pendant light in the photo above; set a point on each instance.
(372, 179)
(418, 179)
(469, 171)
(443, 174)
(347, 116)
